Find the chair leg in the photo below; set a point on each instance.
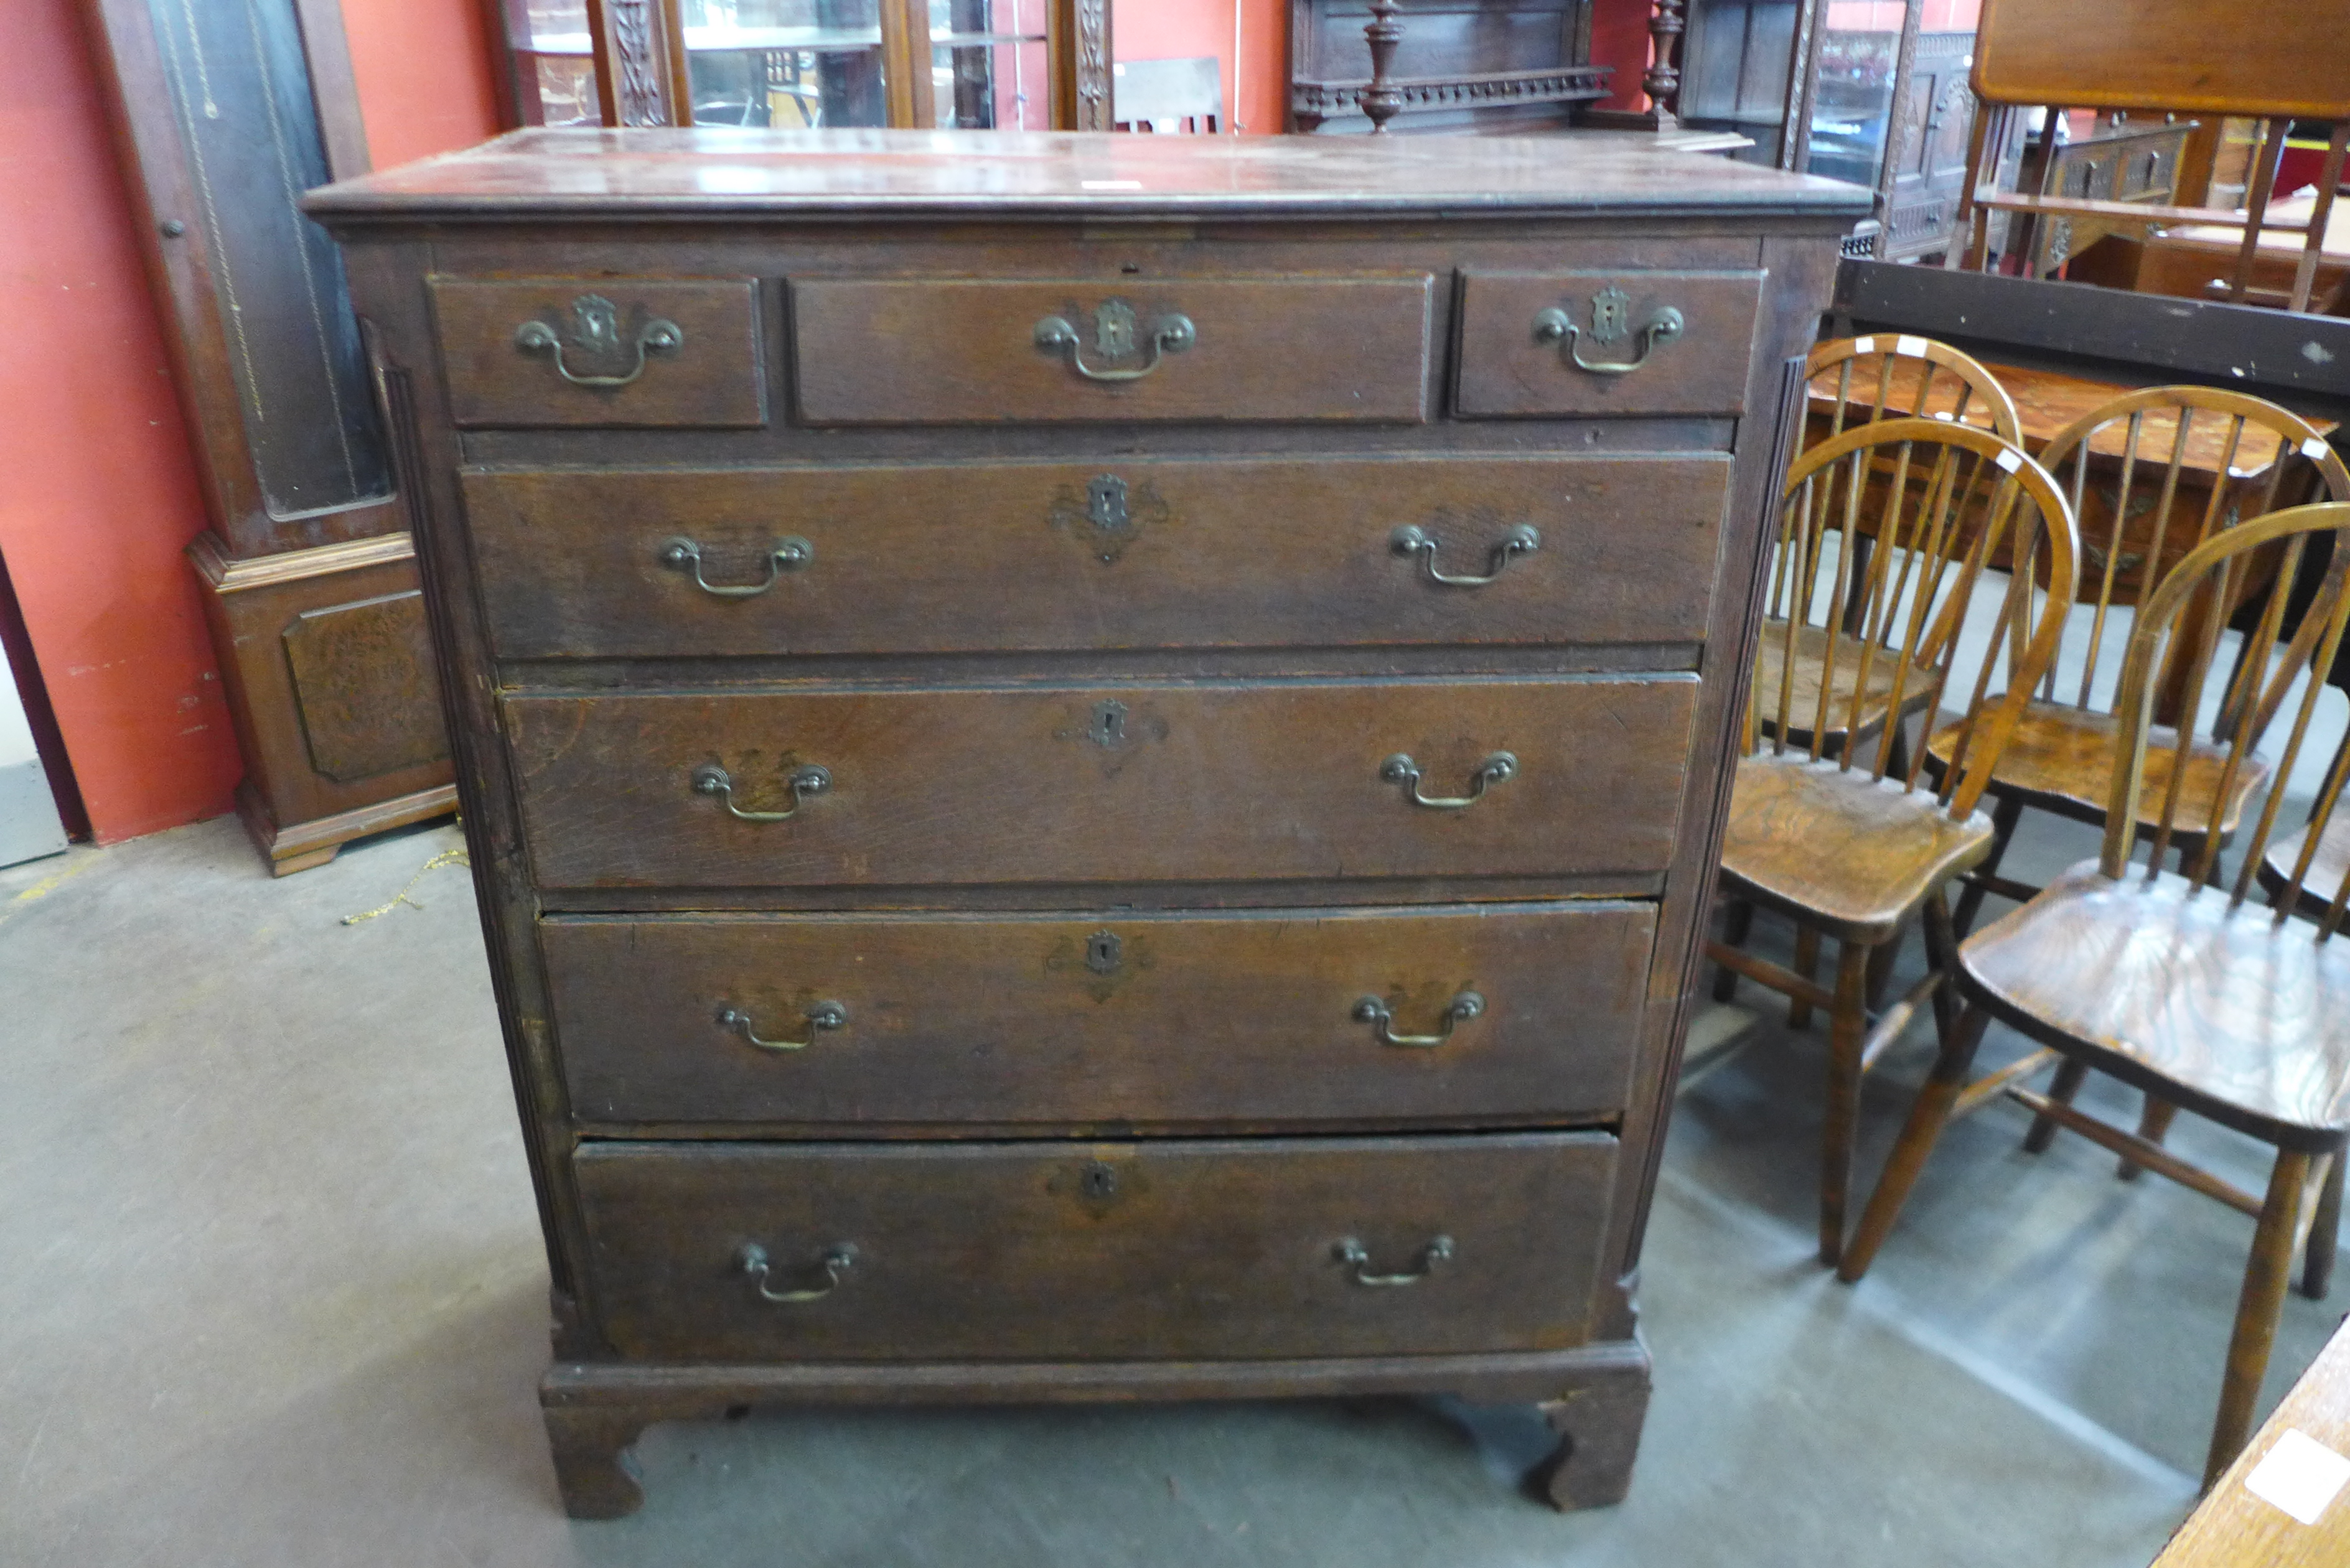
(2004, 816)
(1808, 964)
(2258, 1310)
(1838, 1129)
(1928, 1115)
(2318, 1255)
(2153, 1124)
(2070, 1072)
(1880, 970)
(1942, 956)
(1737, 924)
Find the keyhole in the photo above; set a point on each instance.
(1108, 728)
(1098, 1182)
(1102, 951)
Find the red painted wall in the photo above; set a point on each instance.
(1180, 29)
(1619, 37)
(101, 494)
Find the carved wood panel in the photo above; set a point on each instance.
(364, 683)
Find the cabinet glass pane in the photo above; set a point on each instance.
(241, 92)
(788, 63)
(988, 67)
(555, 68)
(1852, 108)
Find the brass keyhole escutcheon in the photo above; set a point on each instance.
(1104, 952)
(1107, 729)
(1099, 1180)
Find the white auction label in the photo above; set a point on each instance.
(2300, 1475)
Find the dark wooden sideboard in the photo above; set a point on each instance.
(1094, 764)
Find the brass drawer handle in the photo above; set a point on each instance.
(1114, 332)
(712, 779)
(836, 1261)
(790, 554)
(598, 334)
(1351, 1253)
(821, 1016)
(1401, 769)
(1555, 326)
(1462, 1008)
(1413, 540)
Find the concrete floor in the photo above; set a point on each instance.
(272, 1292)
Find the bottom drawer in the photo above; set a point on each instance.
(1100, 1251)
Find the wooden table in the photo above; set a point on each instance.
(2048, 402)
(2233, 1528)
(2045, 403)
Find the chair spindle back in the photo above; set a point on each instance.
(2124, 528)
(1898, 375)
(2271, 666)
(1941, 501)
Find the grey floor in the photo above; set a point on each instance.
(271, 1291)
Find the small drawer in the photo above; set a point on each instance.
(1161, 781)
(953, 351)
(1542, 342)
(602, 351)
(1061, 1251)
(1242, 552)
(1522, 1014)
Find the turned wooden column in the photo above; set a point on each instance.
(1382, 100)
(1662, 81)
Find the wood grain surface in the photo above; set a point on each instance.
(1159, 782)
(1260, 552)
(2061, 758)
(2233, 1528)
(1103, 1021)
(713, 378)
(2235, 1016)
(1507, 370)
(1851, 854)
(963, 351)
(891, 175)
(1070, 1251)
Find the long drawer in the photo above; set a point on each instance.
(991, 351)
(1521, 1013)
(1163, 782)
(1076, 1251)
(1258, 552)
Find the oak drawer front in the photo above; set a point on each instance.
(1118, 554)
(954, 351)
(1073, 1250)
(1523, 1013)
(1549, 343)
(1165, 781)
(602, 351)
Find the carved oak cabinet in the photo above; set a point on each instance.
(1093, 763)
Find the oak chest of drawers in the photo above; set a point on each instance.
(1093, 763)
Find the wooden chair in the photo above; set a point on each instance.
(1855, 382)
(2120, 466)
(2235, 1012)
(1854, 851)
(2195, 57)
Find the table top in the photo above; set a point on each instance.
(2235, 1528)
(2045, 402)
(724, 172)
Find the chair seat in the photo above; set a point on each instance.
(2061, 759)
(2327, 867)
(2235, 1016)
(1854, 855)
(1849, 708)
